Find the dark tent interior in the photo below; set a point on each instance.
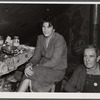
(23, 19)
(76, 22)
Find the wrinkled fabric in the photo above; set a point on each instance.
(55, 56)
(44, 78)
(76, 82)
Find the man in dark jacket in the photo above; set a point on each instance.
(79, 82)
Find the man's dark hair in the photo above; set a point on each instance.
(51, 20)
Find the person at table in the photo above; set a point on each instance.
(49, 62)
(86, 78)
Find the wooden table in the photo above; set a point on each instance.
(10, 64)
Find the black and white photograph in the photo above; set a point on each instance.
(50, 48)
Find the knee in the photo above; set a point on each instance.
(26, 80)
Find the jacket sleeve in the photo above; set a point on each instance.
(37, 54)
(73, 81)
(58, 50)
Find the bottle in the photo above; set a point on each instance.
(16, 41)
(8, 41)
(1, 42)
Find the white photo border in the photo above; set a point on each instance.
(49, 96)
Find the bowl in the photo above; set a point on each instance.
(9, 49)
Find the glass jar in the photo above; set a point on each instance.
(16, 41)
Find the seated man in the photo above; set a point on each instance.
(86, 78)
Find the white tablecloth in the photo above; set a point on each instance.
(12, 63)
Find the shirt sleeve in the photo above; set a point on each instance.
(72, 82)
(58, 50)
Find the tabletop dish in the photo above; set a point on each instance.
(9, 49)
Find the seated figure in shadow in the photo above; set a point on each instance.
(49, 63)
(86, 77)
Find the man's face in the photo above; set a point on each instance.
(90, 58)
(47, 29)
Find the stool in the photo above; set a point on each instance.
(53, 88)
